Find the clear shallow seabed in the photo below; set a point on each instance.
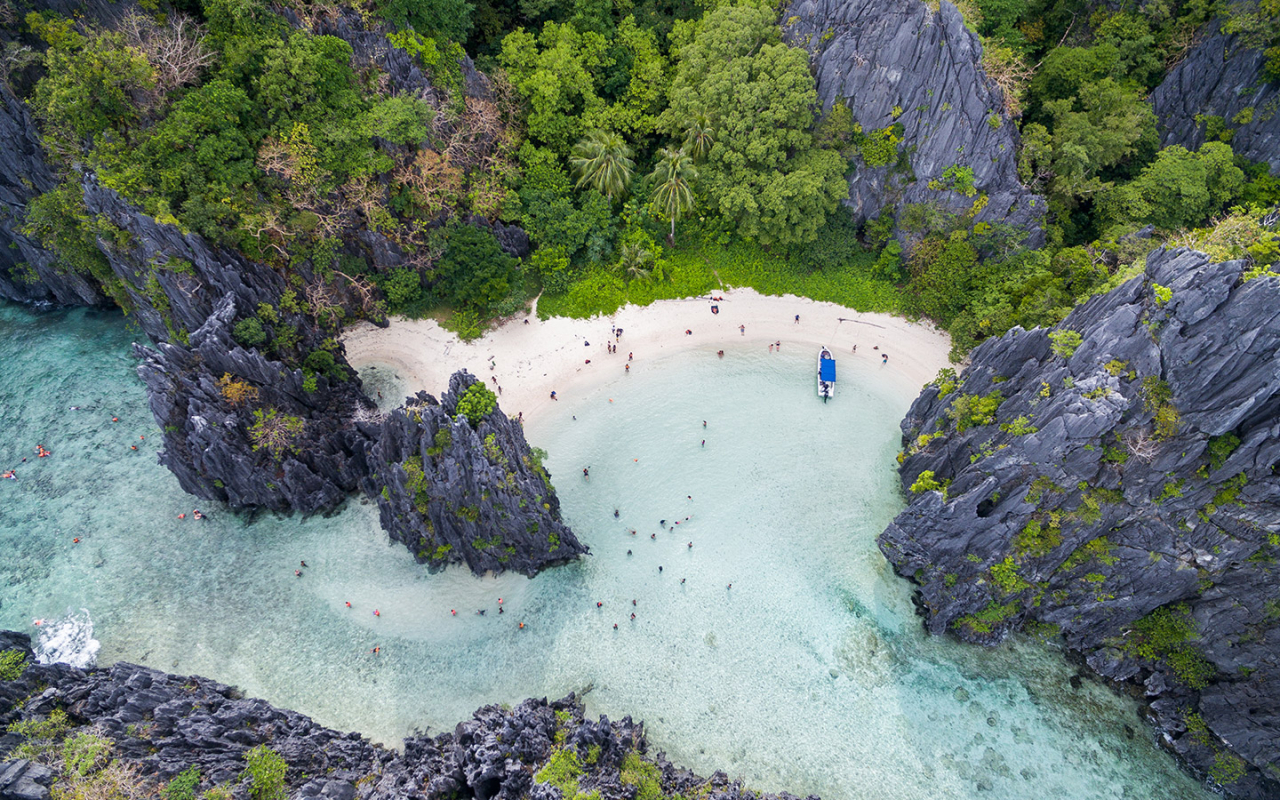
(811, 674)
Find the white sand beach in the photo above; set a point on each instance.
(531, 358)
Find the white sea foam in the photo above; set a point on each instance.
(67, 640)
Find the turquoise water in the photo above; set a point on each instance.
(810, 674)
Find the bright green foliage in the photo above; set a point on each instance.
(475, 271)
(925, 482)
(447, 19)
(1171, 490)
(646, 777)
(476, 403)
(416, 483)
(266, 772)
(562, 771)
(1005, 575)
(971, 410)
(41, 735)
(1163, 294)
(85, 753)
(672, 180)
(1220, 449)
(583, 228)
(1087, 133)
(1180, 188)
(764, 175)
(12, 664)
(1166, 635)
(563, 72)
(1065, 342)
(249, 332)
(943, 270)
(1098, 549)
(1037, 539)
(985, 620)
(91, 81)
(1020, 426)
(183, 786)
(403, 288)
(603, 161)
(197, 163)
(60, 221)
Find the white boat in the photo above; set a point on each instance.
(826, 375)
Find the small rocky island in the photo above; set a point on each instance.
(1116, 481)
(125, 730)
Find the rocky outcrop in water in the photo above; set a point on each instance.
(217, 447)
(901, 64)
(1117, 480)
(461, 491)
(1221, 77)
(161, 725)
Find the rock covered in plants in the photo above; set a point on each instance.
(217, 402)
(157, 726)
(29, 272)
(1220, 89)
(1117, 480)
(911, 78)
(456, 481)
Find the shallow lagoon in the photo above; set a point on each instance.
(811, 674)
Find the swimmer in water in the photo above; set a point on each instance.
(659, 568)
(348, 604)
(682, 581)
(633, 617)
(615, 513)
(615, 626)
(628, 552)
(662, 522)
(480, 611)
(633, 602)
(599, 604)
(653, 536)
(691, 545)
(304, 564)
(586, 473)
(453, 612)
(298, 573)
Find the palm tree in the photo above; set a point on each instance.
(635, 260)
(699, 137)
(671, 179)
(603, 161)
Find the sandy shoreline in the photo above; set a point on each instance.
(532, 360)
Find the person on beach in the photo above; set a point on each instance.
(855, 348)
(630, 356)
(742, 329)
(884, 358)
(627, 369)
(688, 332)
(553, 395)
(720, 353)
(797, 319)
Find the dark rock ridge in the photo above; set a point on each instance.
(455, 493)
(28, 272)
(879, 55)
(1221, 77)
(1138, 473)
(162, 724)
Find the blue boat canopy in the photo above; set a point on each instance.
(827, 370)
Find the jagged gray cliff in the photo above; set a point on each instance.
(1221, 77)
(160, 725)
(456, 490)
(900, 63)
(1117, 480)
(28, 272)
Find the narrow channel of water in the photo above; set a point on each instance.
(810, 674)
